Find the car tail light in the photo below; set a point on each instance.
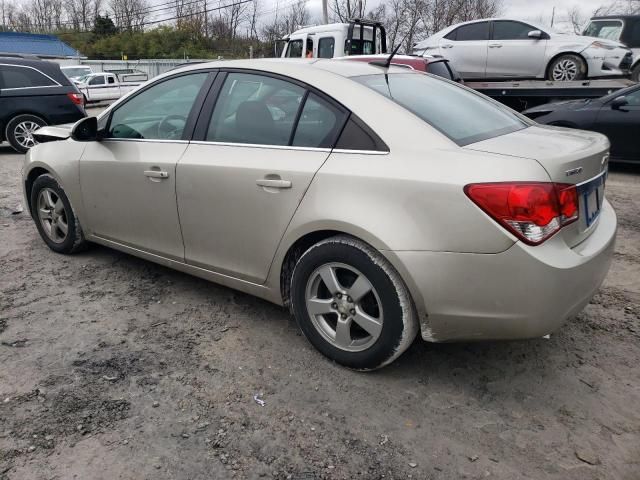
(76, 98)
(533, 211)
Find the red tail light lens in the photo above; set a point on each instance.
(533, 212)
(76, 98)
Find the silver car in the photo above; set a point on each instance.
(504, 48)
(375, 203)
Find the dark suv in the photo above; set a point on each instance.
(34, 93)
(621, 28)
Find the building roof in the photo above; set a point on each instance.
(48, 46)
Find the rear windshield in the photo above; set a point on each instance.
(461, 114)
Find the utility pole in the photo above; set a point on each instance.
(553, 15)
(325, 13)
(206, 21)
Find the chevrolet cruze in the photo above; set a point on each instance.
(376, 203)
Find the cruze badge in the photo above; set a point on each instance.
(573, 171)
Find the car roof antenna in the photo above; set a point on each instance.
(387, 63)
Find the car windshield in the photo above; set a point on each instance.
(607, 29)
(461, 114)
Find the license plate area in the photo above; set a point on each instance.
(591, 195)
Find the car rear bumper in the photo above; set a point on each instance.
(523, 292)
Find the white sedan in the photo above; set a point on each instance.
(502, 48)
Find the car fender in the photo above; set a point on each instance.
(61, 160)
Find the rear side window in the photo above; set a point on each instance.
(294, 49)
(255, 109)
(14, 76)
(440, 69)
(319, 124)
(326, 47)
(473, 31)
(607, 29)
(634, 36)
(511, 30)
(461, 114)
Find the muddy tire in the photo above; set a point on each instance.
(55, 219)
(19, 131)
(351, 304)
(567, 67)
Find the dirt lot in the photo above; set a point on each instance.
(113, 367)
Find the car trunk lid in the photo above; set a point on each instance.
(569, 157)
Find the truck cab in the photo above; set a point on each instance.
(620, 28)
(357, 37)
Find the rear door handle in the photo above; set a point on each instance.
(273, 183)
(495, 45)
(156, 174)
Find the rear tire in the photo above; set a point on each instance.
(55, 219)
(366, 318)
(567, 67)
(19, 131)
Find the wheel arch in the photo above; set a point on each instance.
(302, 242)
(31, 177)
(566, 52)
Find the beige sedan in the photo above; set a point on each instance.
(376, 203)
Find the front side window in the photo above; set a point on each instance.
(326, 47)
(14, 76)
(294, 49)
(159, 112)
(607, 29)
(503, 30)
(99, 80)
(471, 32)
(462, 115)
(634, 37)
(255, 109)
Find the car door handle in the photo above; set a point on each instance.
(156, 174)
(448, 45)
(273, 183)
(495, 45)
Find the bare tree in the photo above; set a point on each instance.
(345, 10)
(619, 7)
(129, 14)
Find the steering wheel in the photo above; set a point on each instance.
(169, 130)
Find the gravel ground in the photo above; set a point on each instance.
(113, 367)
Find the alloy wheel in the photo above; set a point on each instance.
(23, 133)
(52, 215)
(565, 70)
(344, 307)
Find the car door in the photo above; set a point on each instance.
(112, 91)
(252, 158)
(466, 49)
(128, 178)
(97, 87)
(622, 125)
(512, 53)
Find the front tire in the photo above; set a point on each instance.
(19, 131)
(566, 68)
(351, 304)
(55, 219)
(635, 73)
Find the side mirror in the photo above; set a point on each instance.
(619, 102)
(537, 34)
(85, 130)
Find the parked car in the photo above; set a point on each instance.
(616, 115)
(97, 87)
(503, 48)
(74, 72)
(429, 64)
(302, 183)
(34, 93)
(619, 28)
